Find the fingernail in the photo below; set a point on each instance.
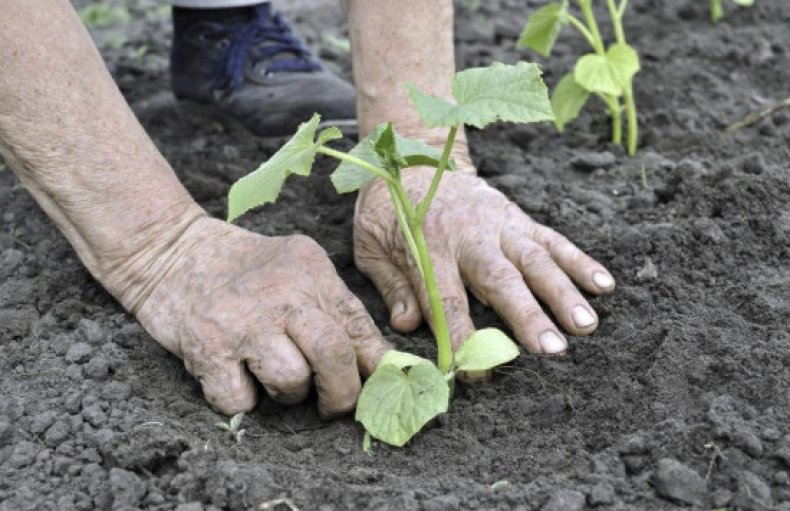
(582, 317)
(550, 342)
(398, 309)
(603, 280)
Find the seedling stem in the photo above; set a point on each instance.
(628, 95)
(410, 222)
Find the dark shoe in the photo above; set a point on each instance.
(252, 67)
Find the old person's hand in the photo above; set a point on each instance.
(478, 238)
(237, 306)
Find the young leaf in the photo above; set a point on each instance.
(543, 27)
(485, 349)
(348, 177)
(386, 149)
(744, 3)
(624, 62)
(395, 404)
(222, 425)
(567, 100)
(500, 92)
(235, 421)
(607, 74)
(264, 184)
(331, 133)
(592, 72)
(401, 359)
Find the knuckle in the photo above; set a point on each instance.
(305, 247)
(494, 277)
(360, 324)
(292, 377)
(335, 345)
(554, 241)
(532, 314)
(534, 258)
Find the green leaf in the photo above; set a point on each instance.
(593, 73)
(395, 404)
(607, 74)
(103, 14)
(401, 359)
(222, 425)
(485, 349)
(348, 177)
(264, 184)
(567, 100)
(386, 148)
(235, 421)
(744, 3)
(499, 92)
(331, 133)
(624, 62)
(543, 27)
(417, 153)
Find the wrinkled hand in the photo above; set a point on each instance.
(478, 237)
(236, 305)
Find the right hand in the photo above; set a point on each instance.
(235, 306)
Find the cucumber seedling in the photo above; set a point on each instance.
(717, 12)
(607, 72)
(406, 391)
(233, 426)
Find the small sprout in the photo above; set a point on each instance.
(140, 52)
(102, 14)
(608, 72)
(233, 426)
(339, 44)
(716, 454)
(717, 11)
(405, 391)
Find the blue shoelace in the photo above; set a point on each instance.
(246, 42)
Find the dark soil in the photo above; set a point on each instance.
(682, 396)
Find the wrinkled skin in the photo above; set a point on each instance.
(273, 304)
(478, 238)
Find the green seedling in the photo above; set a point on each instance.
(407, 391)
(717, 12)
(233, 426)
(607, 72)
(103, 14)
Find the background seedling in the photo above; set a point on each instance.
(607, 72)
(716, 10)
(407, 391)
(233, 426)
(103, 14)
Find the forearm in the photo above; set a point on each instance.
(389, 50)
(68, 134)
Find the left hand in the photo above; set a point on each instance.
(478, 238)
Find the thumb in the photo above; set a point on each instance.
(395, 289)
